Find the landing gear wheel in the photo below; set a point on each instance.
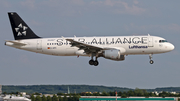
(96, 63)
(151, 61)
(91, 62)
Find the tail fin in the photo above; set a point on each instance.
(20, 29)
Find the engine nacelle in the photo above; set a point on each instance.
(113, 54)
(81, 53)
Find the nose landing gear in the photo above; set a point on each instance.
(150, 57)
(151, 61)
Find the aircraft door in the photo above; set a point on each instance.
(39, 44)
(150, 42)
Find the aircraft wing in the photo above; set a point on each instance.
(86, 47)
(16, 43)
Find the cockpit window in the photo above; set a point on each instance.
(162, 41)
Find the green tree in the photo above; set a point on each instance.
(36, 93)
(83, 94)
(44, 98)
(130, 93)
(88, 94)
(123, 96)
(105, 94)
(152, 94)
(112, 93)
(38, 98)
(119, 93)
(4, 92)
(164, 94)
(49, 98)
(96, 94)
(146, 95)
(65, 98)
(75, 98)
(12, 93)
(60, 98)
(32, 98)
(17, 93)
(178, 95)
(138, 92)
(54, 98)
(60, 94)
(70, 98)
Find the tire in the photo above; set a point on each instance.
(96, 63)
(91, 62)
(151, 62)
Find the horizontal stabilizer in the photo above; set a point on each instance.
(15, 43)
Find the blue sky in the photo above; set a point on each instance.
(56, 18)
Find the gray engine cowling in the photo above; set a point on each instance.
(113, 54)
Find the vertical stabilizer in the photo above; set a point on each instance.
(20, 29)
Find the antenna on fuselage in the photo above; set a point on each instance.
(148, 34)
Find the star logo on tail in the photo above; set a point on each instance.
(21, 30)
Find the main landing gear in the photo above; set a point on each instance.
(150, 57)
(92, 62)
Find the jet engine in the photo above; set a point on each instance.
(113, 54)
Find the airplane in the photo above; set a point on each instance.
(110, 47)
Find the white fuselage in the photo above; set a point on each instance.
(110, 47)
(127, 44)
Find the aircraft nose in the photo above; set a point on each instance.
(171, 47)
